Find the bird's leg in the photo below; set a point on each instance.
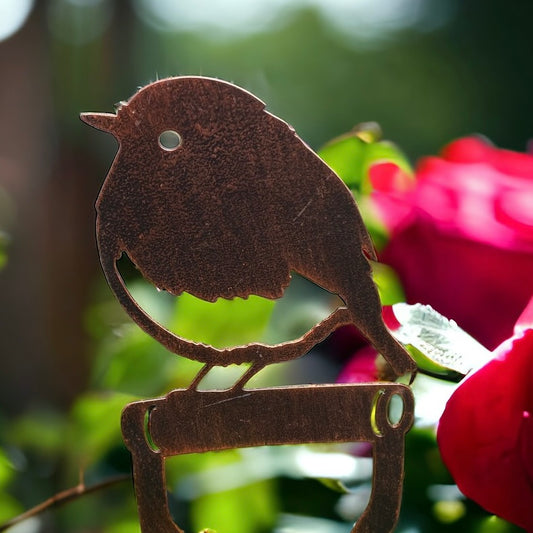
(365, 308)
(201, 375)
(375, 330)
(248, 375)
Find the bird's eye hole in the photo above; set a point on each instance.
(169, 140)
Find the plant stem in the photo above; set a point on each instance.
(61, 498)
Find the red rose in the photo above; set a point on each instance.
(462, 236)
(361, 368)
(485, 434)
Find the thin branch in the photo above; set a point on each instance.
(64, 497)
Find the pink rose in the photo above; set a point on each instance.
(485, 434)
(361, 368)
(462, 235)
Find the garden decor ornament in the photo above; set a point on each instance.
(212, 195)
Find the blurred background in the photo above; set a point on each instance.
(427, 70)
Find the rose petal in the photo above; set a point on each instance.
(388, 176)
(525, 442)
(513, 163)
(525, 320)
(515, 210)
(390, 318)
(361, 368)
(483, 288)
(466, 150)
(476, 149)
(483, 433)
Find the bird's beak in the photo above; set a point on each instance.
(100, 121)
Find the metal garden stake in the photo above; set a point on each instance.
(212, 195)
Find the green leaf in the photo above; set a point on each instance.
(438, 345)
(334, 484)
(6, 469)
(127, 525)
(352, 154)
(40, 430)
(95, 426)
(493, 524)
(134, 363)
(4, 240)
(388, 283)
(345, 156)
(241, 510)
(302, 306)
(224, 322)
(9, 508)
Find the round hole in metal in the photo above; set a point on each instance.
(395, 410)
(169, 140)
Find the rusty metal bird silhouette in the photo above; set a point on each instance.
(212, 195)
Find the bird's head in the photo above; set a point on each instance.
(177, 111)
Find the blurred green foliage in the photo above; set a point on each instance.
(460, 68)
(352, 155)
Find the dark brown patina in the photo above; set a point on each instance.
(230, 210)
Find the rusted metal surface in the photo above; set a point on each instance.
(190, 421)
(212, 195)
(230, 212)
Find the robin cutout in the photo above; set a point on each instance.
(212, 195)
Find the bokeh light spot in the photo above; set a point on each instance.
(13, 15)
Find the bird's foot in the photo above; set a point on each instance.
(200, 376)
(247, 376)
